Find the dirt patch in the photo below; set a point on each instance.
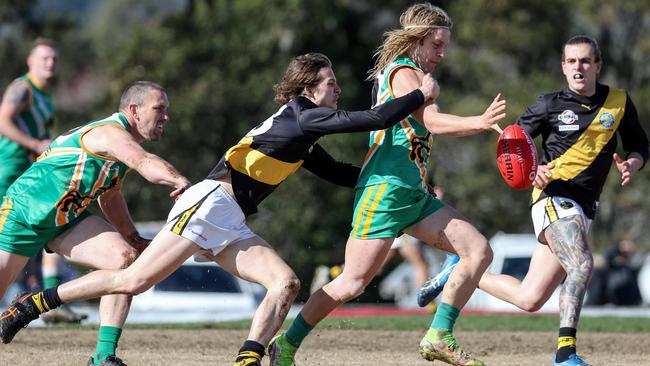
(54, 346)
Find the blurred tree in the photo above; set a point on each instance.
(220, 58)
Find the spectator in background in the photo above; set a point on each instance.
(26, 117)
(621, 282)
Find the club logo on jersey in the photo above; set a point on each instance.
(419, 148)
(76, 202)
(606, 120)
(568, 117)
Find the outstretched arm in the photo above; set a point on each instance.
(16, 100)
(117, 143)
(319, 162)
(406, 78)
(324, 121)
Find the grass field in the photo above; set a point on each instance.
(540, 323)
(498, 340)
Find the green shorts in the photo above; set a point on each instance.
(385, 210)
(9, 172)
(18, 237)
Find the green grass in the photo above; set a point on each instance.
(465, 322)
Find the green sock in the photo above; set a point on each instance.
(106, 343)
(445, 317)
(298, 330)
(51, 281)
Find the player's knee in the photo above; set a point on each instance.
(486, 256)
(480, 254)
(137, 285)
(124, 259)
(581, 270)
(531, 305)
(350, 289)
(291, 285)
(587, 265)
(287, 286)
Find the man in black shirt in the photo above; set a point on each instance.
(209, 220)
(578, 125)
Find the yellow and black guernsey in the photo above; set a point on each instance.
(579, 137)
(277, 147)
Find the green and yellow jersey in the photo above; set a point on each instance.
(399, 154)
(65, 179)
(35, 121)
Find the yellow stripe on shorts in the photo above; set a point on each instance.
(4, 210)
(370, 211)
(185, 218)
(550, 210)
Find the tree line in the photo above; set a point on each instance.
(219, 59)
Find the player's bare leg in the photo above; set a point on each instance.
(50, 269)
(412, 252)
(567, 237)
(95, 244)
(448, 230)
(544, 275)
(256, 261)
(363, 259)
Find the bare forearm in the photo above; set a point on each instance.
(9, 130)
(158, 171)
(117, 213)
(451, 125)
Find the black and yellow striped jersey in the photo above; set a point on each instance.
(579, 137)
(285, 141)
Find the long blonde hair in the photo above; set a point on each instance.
(418, 21)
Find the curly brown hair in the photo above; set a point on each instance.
(302, 72)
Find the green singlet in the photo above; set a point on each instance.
(391, 193)
(35, 122)
(53, 194)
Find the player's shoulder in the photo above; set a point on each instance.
(18, 91)
(550, 96)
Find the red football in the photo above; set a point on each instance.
(517, 157)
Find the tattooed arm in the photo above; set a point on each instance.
(14, 102)
(117, 143)
(567, 238)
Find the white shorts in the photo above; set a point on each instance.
(210, 217)
(550, 209)
(402, 240)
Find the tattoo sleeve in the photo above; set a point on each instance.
(17, 94)
(567, 237)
